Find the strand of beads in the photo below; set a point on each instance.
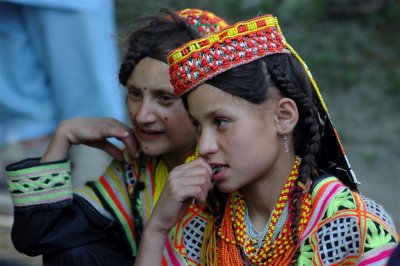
(278, 246)
(269, 250)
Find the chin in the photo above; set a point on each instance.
(226, 188)
(148, 150)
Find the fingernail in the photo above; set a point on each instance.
(127, 157)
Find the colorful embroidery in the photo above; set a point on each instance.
(202, 21)
(42, 184)
(342, 230)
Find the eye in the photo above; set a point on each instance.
(134, 94)
(221, 122)
(166, 98)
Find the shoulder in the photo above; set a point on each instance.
(345, 227)
(333, 199)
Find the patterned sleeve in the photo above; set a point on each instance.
(381, 236)
(32, 184)
(346, 228)
(48, 216)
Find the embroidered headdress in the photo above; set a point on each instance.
(202, 21)
(199, 60)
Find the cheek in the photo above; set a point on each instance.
(132, 109)
(179, 123)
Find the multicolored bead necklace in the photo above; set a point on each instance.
(233, 231)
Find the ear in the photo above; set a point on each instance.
(286, 115)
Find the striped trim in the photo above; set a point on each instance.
(112, 191)
(169, 254)
(378, 257)
(39, 169)
(90, 196)
(147, 196)
(321, 195)
(41, 184)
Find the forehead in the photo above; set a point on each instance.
(207, 99)
(150, 73)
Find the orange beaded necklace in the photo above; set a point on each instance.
(278, 251)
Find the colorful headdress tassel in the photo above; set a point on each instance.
(202, 21)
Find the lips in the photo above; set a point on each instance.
(150, 134)
(218, 171)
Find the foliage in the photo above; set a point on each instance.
(341, 51)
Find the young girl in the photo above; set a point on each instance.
(101, 223)
(278, 187)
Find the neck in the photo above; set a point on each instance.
(174, 159)
(262, 196)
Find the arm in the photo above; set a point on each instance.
(185, 183)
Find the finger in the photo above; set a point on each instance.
(186, 193)
(125, 135)
(131, 144)
(178, 184)
(197, 162)
(198, 194)
(197, 177)
(120, 129)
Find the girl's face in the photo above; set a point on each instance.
(160, 121)
(238, 137)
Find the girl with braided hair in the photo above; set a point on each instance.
(101, 222)
(272, 177)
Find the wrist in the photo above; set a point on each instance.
(58, 147)
(155, 232)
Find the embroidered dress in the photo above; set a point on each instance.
(343, 228)
(64, 225)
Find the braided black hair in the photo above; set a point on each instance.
(307, 133)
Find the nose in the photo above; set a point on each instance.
(207, 143)
(145, 114)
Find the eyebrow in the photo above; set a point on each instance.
(154, 91)
(208, 115)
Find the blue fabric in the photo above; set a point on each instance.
(70, 4)
(395, 258)
(56, 64)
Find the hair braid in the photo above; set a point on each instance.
(216, 202)
(307, 132)
(136, 211)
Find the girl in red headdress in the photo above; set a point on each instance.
(272, 175)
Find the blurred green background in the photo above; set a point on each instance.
(344, 42)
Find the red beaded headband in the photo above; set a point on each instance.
(202, 21)
(204, 58)
(199, 60)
